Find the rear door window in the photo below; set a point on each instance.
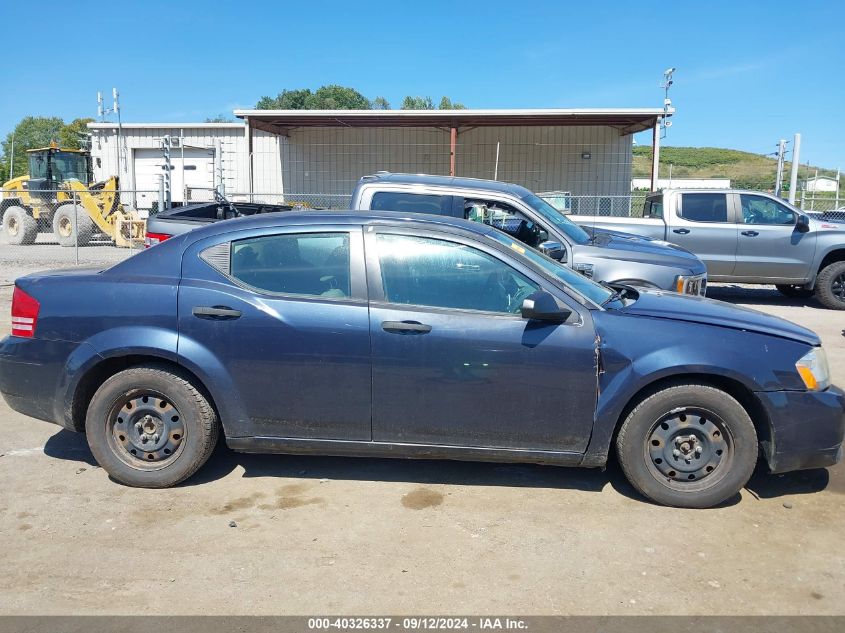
(704, 207)
(411, 202)
(307, 264)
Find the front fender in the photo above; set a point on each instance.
(663, 348)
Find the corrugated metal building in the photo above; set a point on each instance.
(306, 154)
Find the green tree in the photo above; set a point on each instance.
(75, 134)
(380, 103)
(219, 118)
(29, 133)
(417, 103)
(447, 104)
(331, 97)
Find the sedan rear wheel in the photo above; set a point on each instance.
(690, 446)
(150, 427)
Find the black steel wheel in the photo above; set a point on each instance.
(688, 445)
(147, 431)
(150, 426)
(830, 286)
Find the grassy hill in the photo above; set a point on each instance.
(746, 170)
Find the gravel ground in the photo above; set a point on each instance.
(312, 535)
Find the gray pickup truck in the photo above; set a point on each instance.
(607, 256)
(746, 237)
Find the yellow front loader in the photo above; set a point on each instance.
(56, 197)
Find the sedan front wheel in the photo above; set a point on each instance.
(688, 446)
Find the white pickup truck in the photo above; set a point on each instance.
(746, 237)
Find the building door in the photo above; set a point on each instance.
(198, 171)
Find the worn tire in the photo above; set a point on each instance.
(830, 286)
(734, 465)
(19, 226)
(795, 292)
(105, 423)
(70, 227)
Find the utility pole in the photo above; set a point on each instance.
(115, 109)
(793, 176)
(779, 176)
(12, 157)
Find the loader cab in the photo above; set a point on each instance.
(51, 166)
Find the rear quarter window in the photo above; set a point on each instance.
(704, 207)
(411, 202)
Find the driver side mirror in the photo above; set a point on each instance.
(555, 250)
(541, 306)
(802, 224)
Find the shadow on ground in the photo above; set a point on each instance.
(73, 447)
(758, 295)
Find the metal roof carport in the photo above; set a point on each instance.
(626, 121)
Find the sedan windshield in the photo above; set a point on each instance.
(572, 230)
(578, 282)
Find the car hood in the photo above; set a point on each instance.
(618, 245)
(669, 305)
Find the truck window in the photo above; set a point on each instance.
(505, 218)
(763, 210)
(704, 207)
(653, 208)
(411, 202)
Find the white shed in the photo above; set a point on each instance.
(822, 183)
(202, 156)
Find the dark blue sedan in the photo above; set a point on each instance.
(377, 334)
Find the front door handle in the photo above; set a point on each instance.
(680, 231)
(750, 233)
(216, 313)
(405, 327)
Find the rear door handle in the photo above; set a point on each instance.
(216, 313)
(405, 327)
(680, 231)
(750, 233)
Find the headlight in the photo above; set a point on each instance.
(813, 369)
(691, 284)
(584, 269)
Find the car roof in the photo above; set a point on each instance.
(321, 217)
(446, 181)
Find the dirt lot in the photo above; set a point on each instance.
(318, 535)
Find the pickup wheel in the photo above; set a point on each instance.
(830, 286)
(795, 292)
(688, 446)
(150, 427)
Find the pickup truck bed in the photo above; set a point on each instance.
(183, 219)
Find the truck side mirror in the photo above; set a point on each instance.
(555, 250)
(542, 306)
(802, 224)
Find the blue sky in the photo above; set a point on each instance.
(748, 72)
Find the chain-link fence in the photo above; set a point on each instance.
(830, 207)
(68, 226)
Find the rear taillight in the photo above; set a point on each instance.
(152, 239)
(24, 314)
